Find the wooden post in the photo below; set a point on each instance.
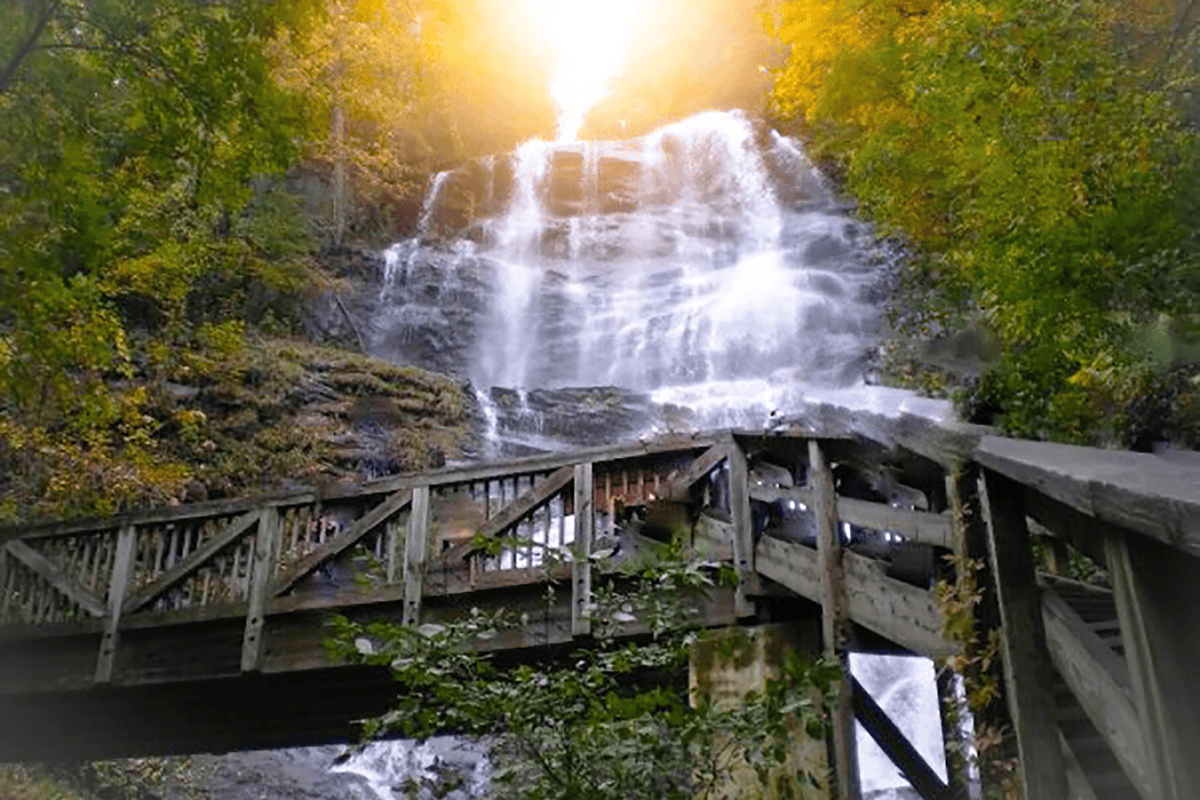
(835, 619)
(118, 584)
(261, 571)
(581, 563)
(973, 575)
(743, 527)
(390, 561)
(1028, 672)
(3, 583)
(1157, 592)
(415, 547)
(1058, 559)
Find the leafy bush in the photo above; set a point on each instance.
(1037, 154)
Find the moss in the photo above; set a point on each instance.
(273, 414)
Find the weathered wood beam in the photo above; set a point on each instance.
(118, 584)
(898, 748)
(1078, 787)
(946, 443)
(260, 588)
(530, 501)
(190, 563)
(208, 508)
(581, 563)
(923, 527)
(63, 583)
(836, 630)
(344, 540)
(1052, 518)
(742, 530)
(679, 489)
(416, 548)
(1097, 677)
(905, 614)
(1157, 592)
(1028, 672)
(1143, 492)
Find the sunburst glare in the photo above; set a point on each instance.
(588, 39)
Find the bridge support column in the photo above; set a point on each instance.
(836, 628)
(1028, 671)
(725, 679)
(1157, 592)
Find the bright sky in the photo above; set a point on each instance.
(588, 38)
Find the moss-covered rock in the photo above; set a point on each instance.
(270, 414)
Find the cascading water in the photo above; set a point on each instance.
(705, 266)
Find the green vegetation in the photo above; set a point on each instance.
(614, 720)
(153, 264)
(1038, 156)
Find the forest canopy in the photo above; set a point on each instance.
(1041, 158)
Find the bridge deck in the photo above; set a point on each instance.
(142, 633)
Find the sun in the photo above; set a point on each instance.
(588, 39)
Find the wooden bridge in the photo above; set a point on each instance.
(199, 627)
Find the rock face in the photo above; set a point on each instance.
(705, 260)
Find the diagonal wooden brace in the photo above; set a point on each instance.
(62, 582)
(361, 527)
(527, 503)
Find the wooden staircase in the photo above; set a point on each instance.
(1088, 749)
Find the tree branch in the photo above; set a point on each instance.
(9, 73)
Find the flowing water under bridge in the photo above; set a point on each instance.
(199, 627)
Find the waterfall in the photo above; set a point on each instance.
(706, 266)
(706, 258)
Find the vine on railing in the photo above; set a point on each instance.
(979, 666)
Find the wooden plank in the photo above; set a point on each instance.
(897, 747)
(528, 502)
(261, 566)
(64, 584)
(117, 585)
(917, 526)
(233, 529)
(679, 489)
(904, 614)
(4, 591)
(581, 563)
(347, 538)
(390, 561)
(1097, 677)
(836, 630)
(415, 551)
(1078, 787)
(1028, 672)
(187, 511)
(675, 443)
(742, 542)
(1143, 492)
(944, 442)
(1157, 593)
(1052, 518)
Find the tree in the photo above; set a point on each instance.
(138, 224)
(1037, 156)
(609, 721)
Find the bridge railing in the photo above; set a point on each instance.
(1130, 655)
